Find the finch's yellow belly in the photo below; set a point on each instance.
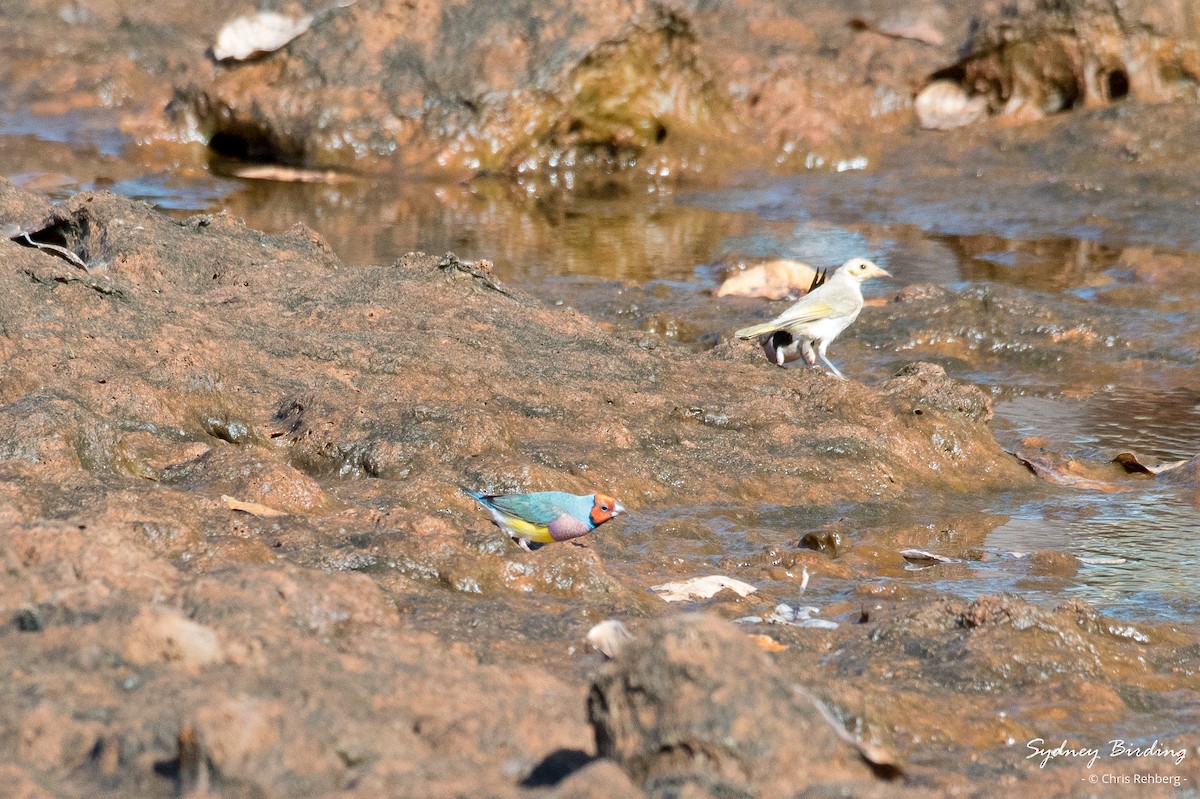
(534, 532)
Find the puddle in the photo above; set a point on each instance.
(649, 260)
(95, 129)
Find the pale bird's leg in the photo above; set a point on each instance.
(524, 544)
(806, 349)
(832, 368)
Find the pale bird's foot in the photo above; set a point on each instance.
(833, 368)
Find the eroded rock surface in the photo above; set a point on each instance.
(1031, 59)
(677, 709)
(576, 91)
(360, 626)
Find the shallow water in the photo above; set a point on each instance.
(649, 257)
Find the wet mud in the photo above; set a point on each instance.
(181, 363)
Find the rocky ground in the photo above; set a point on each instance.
(380, 635)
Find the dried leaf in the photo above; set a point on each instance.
(914, 30)
(257, 34)
(1134, 465)
(609, 637)
(1065, 472)
(767, 643)
(1099, 560)
(25, 240)
(882, 762)
(290, 174)
(924, 558)
(480, 270)
(701, 588)
(253, 508)
(772, 280)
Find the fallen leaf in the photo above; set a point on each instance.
(701, 588)
(885, 764)
(817, 624)
(1065, 472)
(913, 30)
(257, 34)
(609, 637)
(920, 556)
(944, 105)
(290, 174)
(772, 280)
(25, 240)
(1132, 464)
(767, 643)
(253, 508)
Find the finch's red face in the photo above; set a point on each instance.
(604, 508)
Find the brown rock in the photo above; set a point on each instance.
(48, 740)
(1039, 58)
(18, 784)
(583, 88)
(692, 702)
(1053, 563)
(161, 635)
(927, 386)
(599, 779)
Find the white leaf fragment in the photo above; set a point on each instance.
(609, 637)
(701, 588)
(256, 34)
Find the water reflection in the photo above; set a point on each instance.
(1152, 532)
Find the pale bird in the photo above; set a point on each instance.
(808, 327)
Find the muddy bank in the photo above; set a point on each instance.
(573, 91)
(566, 95)
(563, 91)
(1033, 59)
(163, 642)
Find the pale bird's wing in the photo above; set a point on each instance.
(826, 301)
(818, 308)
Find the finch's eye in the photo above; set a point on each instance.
(604, 508)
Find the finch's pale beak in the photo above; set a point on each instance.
(618, 508)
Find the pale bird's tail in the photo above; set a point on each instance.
(757, 330)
